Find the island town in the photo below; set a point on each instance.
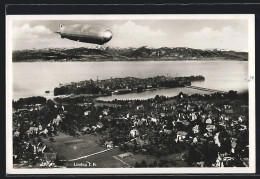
(124, 85)
(187, 130)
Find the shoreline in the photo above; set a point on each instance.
(220, 60)
(94, 97)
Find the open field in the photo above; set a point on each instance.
(131, 160)
(70, 147)
(174, 160)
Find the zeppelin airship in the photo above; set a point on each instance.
(85, 33)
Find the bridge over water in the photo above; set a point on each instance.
(205, 89)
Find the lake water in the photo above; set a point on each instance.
(34, 78)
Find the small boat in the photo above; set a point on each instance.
(47, 91)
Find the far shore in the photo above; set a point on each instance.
(150, 60)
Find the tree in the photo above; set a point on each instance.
(143, 163)
(157, 99)
(225, 146)
(193, 155)
(210, 154)
(137, 165)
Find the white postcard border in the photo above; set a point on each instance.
(251, 86)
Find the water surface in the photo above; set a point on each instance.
(34, 78)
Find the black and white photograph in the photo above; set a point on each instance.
(118, 94)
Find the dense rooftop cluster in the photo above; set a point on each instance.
(124, 85)
(211, 130)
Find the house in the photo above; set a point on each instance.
(108, 118)
(141, 107)
(139, 122)
(124, 155)
(38, 107)
(223, 123)
(106, 111)
(32, 130)
(210, 128)
(134, 133)
(216, 139)
(233, 145)
(185, 123)
(57, 120)
(208, 121)
(41, 147)
(219, 161)
(162, 114)
(154, 120)
(87, 104)
(193, 116)
(85, 129)
(45, 131)
(94, 127)
(109, 144)
(142, 142)
(166, 131)
(49, 157)
(195, 129)
(40, 127)
(16, 134)
(227, 107)
(86, 113)
(241, 119)
(181, 136)
(242, 127)
(100, 125)
(203, 117)
(144, 119)
(195, 140)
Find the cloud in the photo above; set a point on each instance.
(134, 35)
(28, 33)
(207, 37)
(131, 29)
(209, 33)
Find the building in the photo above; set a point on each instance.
(16, 134)
(134, 133)
(100, 125)
(109, 144)
(181, 136)
(195, 129)
(124, 155)
(57, 120)
(210, 128)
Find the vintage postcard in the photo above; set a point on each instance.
(130, 94)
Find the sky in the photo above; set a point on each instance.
(229, 34)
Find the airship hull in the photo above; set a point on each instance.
(86, 33)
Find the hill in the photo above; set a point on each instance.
(125, 54)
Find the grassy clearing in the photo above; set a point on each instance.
(69, 147)
(131, 160)
(174, 160)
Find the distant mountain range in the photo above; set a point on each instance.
(126, 54)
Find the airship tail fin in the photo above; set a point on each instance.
(58, 32)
